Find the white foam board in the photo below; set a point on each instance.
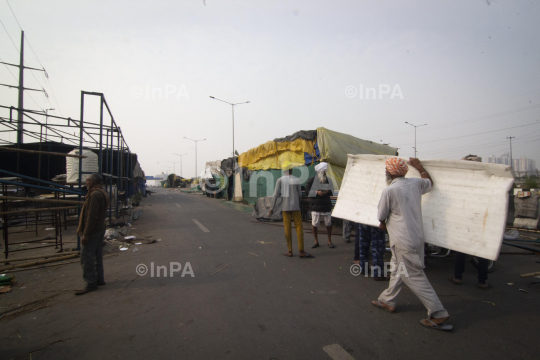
(466, 210)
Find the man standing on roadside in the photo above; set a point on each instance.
(319, 189)
(288, 188)
(400, 213)
(91, 231)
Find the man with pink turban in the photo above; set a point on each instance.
(400, 213)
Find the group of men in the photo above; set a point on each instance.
(399, 213)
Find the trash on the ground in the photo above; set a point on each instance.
(510, 283)
(525, 291)
(6, 280)
(489, 302)
(47, 229)
(158, 239)
(111, 234)
(24, 287)
(5, 289)
(130, 237)
(512, 234)
(123, 248)
(135, 249)
(220, 269)
(138, 243)
(530, 274)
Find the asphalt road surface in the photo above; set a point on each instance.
(248, 301)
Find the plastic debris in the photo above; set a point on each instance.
(135, 249)
(130, 237)
(525, 291)
(47, 229)
(111, 234)
(510, 283)
(138, 243)
(123, 248)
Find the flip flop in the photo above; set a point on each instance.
(315, 246)
(331, 246)
(486, 286)
(287, 255)
(307, 256)
(85, 290)
(455, 281)
(379, 306)
(443, 327)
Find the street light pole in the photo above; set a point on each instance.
(196, 141)
(180, 161)
(415, 126)
(232, 105)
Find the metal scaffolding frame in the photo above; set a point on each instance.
(90, 136)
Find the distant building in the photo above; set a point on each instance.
(521, 165)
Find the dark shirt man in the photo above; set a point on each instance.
(91, 230)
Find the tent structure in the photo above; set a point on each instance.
(305, 149)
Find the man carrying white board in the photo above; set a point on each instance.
(400, 213)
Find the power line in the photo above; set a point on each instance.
(9, 35)
(37, 58)
(14, 15)
(481, 133)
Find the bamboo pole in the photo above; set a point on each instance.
(41, 200)
(49, 265)
(9, 267)
(42, 152)
(530, 274)
(37, 210)
(35, 257)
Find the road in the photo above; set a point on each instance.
(247, 301)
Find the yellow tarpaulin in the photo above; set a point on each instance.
(271, 154)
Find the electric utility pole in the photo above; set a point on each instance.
(21, 88)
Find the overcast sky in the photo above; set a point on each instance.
(469, 69)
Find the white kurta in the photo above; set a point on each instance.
(400, 206)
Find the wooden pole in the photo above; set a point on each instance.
(37, 210)
(42, 152)
(9, 267)
(530, 274)
(36, 257)
(53, 201)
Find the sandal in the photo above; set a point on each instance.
(315, 246)
(443, 327)
(378, 305)
(331, 246)
(455, 281)
(288, 255)
(485, 286)
(307, 256)
(85, 290)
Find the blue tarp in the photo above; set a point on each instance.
(309, 159)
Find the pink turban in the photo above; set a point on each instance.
(397, 166)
